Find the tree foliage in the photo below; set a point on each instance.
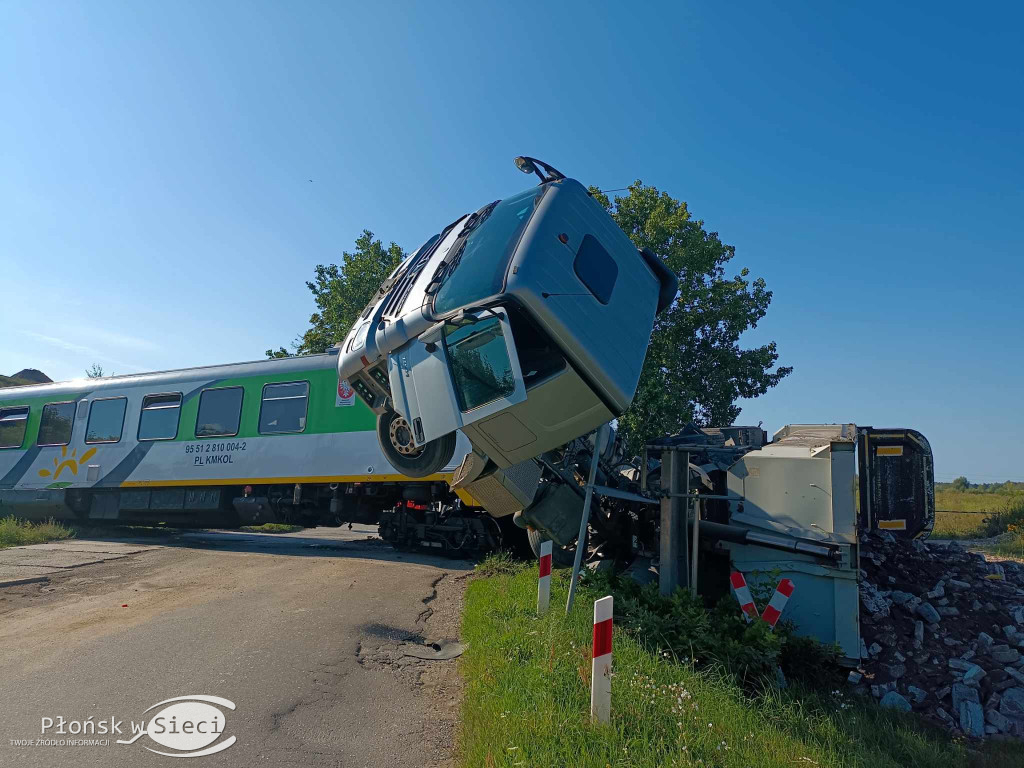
(341, 291)
(695, 368)
(961, 484)
(94, 371)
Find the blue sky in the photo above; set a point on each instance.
(156, 209)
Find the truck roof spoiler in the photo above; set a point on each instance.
(666, 278)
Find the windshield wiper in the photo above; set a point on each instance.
(478, 218)
(444, 269)
(451, 260)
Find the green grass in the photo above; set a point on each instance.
(272, 528)
(959, 525)
(976, 514)
(1011, 545)
(974, 501)
(15, 532)
(526, 701)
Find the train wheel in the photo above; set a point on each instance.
(395, 437)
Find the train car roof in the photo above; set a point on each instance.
(223, 371)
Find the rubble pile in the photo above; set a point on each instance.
(942, 634)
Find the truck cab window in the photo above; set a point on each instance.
(481, 369)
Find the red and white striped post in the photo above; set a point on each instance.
(739, 585)
(544, 582)
(778, 602)
(601, 666)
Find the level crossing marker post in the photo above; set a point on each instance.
(544, 579)
(601, 666)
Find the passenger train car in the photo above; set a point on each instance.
(269, 440)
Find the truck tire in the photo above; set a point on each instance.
(395, 437)
(561, 557)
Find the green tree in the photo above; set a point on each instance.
(342, 291)
(94, 371)
(961, 484)
(695, 369)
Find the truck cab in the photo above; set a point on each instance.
(524, 325)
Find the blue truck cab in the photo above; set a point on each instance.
(524, 325)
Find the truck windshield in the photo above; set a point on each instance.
(480, 270)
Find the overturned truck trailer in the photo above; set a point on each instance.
(707, 502)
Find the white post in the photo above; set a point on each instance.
(544, 582)
(601, 667)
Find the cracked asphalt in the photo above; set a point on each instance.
(309, 634)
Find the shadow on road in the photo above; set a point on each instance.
(317, 542)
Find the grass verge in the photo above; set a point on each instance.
(272, 528)
(959, 525)
(974, 501)
(15, 532)
(526, 701)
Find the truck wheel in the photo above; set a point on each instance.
(561, 557)
(395, 437)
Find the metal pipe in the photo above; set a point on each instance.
(737, 535)
(693, 551)
(673, 522)
(581, 540)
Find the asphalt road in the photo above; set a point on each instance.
(315, 637)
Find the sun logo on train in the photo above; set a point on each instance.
(72, 463)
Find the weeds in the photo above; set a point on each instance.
(497, 564)
(15, 532)
(272, 528)
(1011, 514)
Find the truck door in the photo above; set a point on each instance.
(897, 482)
(459, 373)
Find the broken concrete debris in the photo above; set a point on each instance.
(942, 631)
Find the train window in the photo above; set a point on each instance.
(284, 408)
(220, 411)
(159, 418)
(55, 424)
(106, 420)
(13, 422)
(595, 268)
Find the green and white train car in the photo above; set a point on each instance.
(268, 440)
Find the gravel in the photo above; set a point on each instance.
(943, 631)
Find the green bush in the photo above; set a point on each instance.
(1011, 514)
(680, 627)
